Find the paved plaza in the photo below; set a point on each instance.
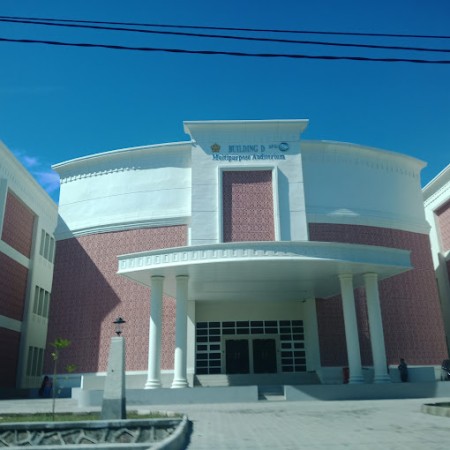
(368, 424)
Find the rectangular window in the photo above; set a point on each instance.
(41, 302)
(35, 361)
(47, 247)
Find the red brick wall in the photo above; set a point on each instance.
(18, 225)
(410, 307)
(13, 287)
(88, 296)
(9, 351)
(443, 220)
(248, 206)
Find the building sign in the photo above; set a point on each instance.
(252, 152)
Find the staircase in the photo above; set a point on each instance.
(261, 380)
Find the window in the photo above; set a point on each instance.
(47, 247)
(41, 302)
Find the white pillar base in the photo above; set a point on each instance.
(357, 379)
(385, 378)
(152, 384)
(180, 384)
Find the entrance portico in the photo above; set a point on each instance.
(262, 272)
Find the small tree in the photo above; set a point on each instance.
(58, 345)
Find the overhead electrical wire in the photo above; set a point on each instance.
(228, 53)
(99, 25)
(54, 23)
(256, 30)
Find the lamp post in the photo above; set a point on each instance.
(114, 402)
(119, 322)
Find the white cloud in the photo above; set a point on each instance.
(40, 170)
(29, 161)
(48, 180)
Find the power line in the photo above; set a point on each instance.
(217, 36)
(214, 52)
(256, 30)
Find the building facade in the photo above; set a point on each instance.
(437, 210)
(246, 252)
(28, 219)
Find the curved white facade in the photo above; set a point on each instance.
(315, 181)
(134, 187)
(353, 184)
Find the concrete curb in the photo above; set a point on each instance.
(177, 440)
(437, 409)
(35, 435)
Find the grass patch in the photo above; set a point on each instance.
(75, 417)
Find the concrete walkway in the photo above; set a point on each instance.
(368, 424)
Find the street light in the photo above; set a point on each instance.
(118, 322)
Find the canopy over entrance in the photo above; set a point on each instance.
(263, 270)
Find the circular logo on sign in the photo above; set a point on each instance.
(284, 146)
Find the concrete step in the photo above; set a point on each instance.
(271, 393)
(275, 379)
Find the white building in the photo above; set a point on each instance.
(28, 218)
(246, 253)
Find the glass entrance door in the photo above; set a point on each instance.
(237, 356)
(264, 356)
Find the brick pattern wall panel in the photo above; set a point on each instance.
(13, 287)
(330, 322)
(9, 350)
(88, 296)
(248, 206)
(18, 225)
(443, 221)
(410, 308)
(332, 330)
(168, 336)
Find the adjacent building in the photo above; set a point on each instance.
(437, 210)
(246, 253)
(28, 218)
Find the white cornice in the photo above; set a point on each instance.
(437, 191)
(356, 154)
(239, 127)
(63, 234)
(127, 152)
(239, 251)
(263, 271)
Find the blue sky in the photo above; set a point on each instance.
(59, 103)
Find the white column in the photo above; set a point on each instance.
(351, 329)
(154, 334)
(376, 329)
(190, 352)
(311, 335)
(180, 371)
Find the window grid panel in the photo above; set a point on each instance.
(208, 342)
